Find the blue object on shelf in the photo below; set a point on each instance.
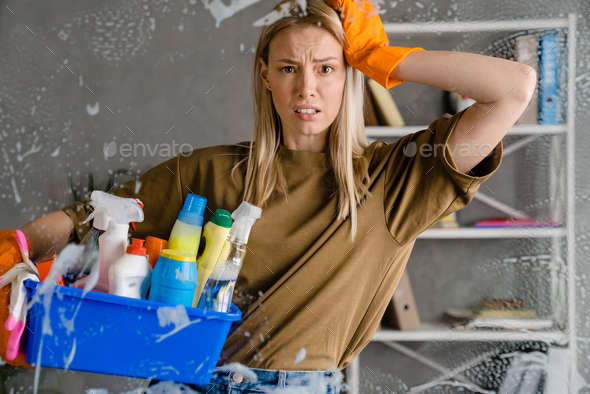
(108, 334)
(548, 81)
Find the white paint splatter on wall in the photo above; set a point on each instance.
(220, 11)
(92, 109)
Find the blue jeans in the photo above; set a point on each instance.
(266, 380)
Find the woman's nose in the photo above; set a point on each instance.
(307, 84)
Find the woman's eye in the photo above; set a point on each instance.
(323, 67)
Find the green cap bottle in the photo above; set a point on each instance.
(222, 218)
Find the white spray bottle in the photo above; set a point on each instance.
(113, 214)
(218, 293)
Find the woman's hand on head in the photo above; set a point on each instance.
(367, 48)
(362, 24)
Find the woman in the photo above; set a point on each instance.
(340, 217)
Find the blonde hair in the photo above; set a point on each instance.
(347, 139)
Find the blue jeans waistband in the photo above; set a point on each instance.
(260, 379)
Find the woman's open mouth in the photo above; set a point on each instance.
(307, 114)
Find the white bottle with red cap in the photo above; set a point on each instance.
(131, 274)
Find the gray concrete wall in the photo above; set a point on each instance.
(64, 66)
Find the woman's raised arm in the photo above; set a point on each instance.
(48, 233)
(502, 89)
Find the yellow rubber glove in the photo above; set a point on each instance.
(368, 47)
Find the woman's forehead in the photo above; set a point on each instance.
(309, 42)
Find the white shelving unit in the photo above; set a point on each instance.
(491, 233)
(439, 332)
(523, 129)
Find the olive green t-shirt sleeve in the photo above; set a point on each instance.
(160, 191)
(423, 184)
(77, 211)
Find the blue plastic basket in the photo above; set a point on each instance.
(123, 336)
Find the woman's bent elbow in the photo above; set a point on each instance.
(527, 83)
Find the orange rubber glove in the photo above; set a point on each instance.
(368, 47)
(10, 255)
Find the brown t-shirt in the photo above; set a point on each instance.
(304, 284)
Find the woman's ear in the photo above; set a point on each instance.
(263, 71)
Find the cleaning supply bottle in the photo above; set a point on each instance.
(218, 294)
(154, 248)
(215, 234)
(131, 274)
(44, 267)
(174, 278)
(186, 233)
(113, 214)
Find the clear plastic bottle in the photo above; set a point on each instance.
(186, 233)
(224, 282)
(218, 292)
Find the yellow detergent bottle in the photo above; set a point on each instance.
(186, 233)
(215, 234)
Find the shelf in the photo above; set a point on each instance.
(489, 233)
(466, 27)
(385, 131)
(440, 332)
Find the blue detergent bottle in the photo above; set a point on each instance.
(174, 278)
(186, 233)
